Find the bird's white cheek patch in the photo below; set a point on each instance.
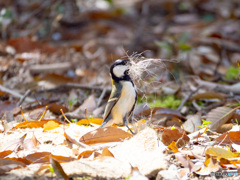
(119, 70)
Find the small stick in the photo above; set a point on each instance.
(187, 98)
(74, 85)
(24, 97)
(23, 114)
(65, 118)
(43, 113)
(101, 97)
(16, 94)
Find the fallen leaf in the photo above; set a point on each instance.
(16, 144)
(31, 143)
(50, 125)
(43, 157)
(106, 152)
(58, 168)
(224, 128)
(173, 147)
(34, 124)
(74, 141)
(83, 122)
(8, 165)
(209, 95)
(178, 135)
(220, 153)
(104, 135)
(229, 138)
(192, 123)
(96, 121)
(3, 154)
(55, 108)
(212, 166)
(184, 160)
(23, 160)
(219, 116)
(88, 153)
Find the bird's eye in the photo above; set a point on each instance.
(127, 72)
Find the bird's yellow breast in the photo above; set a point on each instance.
(125, 103)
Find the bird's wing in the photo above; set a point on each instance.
(114, 97)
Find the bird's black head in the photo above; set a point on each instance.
(119, 70)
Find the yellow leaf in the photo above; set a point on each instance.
(173, 147)
(220, 153)
(50, 125)
(83, 122)
(97, 121)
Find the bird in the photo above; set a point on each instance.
(123, 97)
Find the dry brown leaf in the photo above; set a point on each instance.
(209, 95)
(34, 124)
(23, 160)
(106, 152)
(50, 125)
(178, 135)
(104, 135)
(55, 108)
(8, 165)
(43, 157)
(58, 168)
(88, 153)
(219, 116)
(3, 154)
(229, 138)
(224, 128)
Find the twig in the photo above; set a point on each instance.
(14, 93)
(40, 68)
(187, 98)
(219, 87)
(24, 97)
(69, 86)
(226, 44)
(101, 97)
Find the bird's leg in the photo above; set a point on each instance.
(126, 124)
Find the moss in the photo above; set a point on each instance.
(169, 101)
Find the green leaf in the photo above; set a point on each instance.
(184, 47)
(232, 73)
(204, 124)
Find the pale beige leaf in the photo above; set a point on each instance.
(219, 116)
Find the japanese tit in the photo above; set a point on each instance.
(121, 103)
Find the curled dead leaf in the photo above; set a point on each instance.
(58, 168)
(229, 138)
(178, 135)
(8, 165)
